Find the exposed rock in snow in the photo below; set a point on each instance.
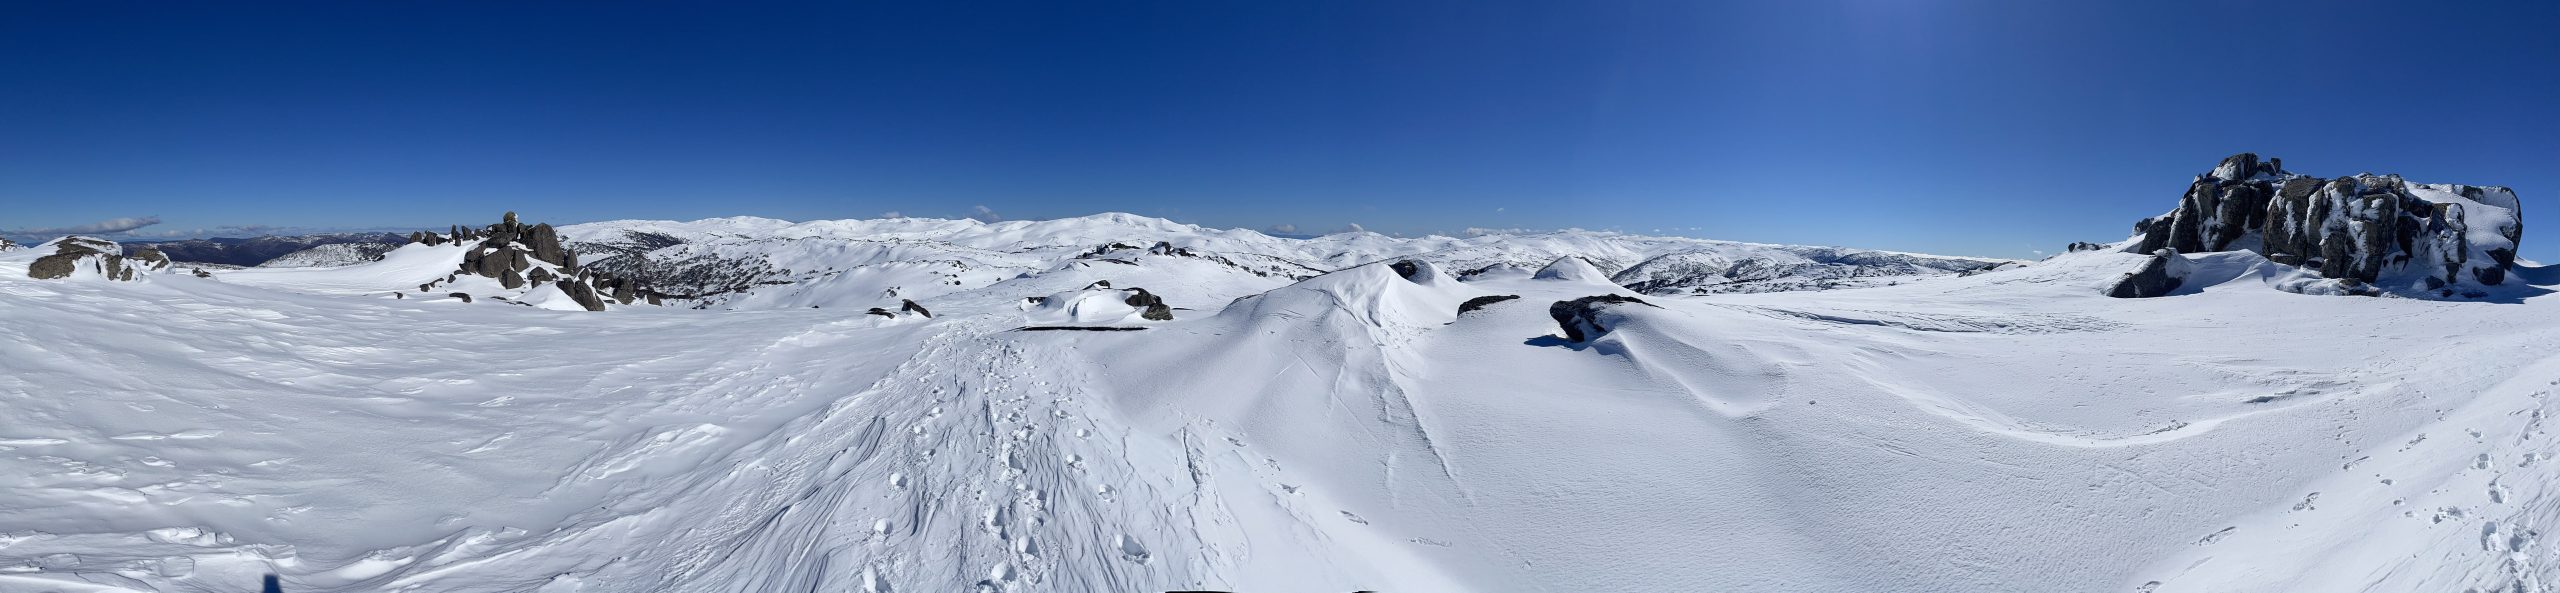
(1481, 302)
(528, 258)
(2161, 273)
(74, 255)
(1585, 318)
(2404, 238)
(580, 293)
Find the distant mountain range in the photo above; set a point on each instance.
(257, 250)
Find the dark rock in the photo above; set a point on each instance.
(1158, 312)
(2157, 276)
(1580, 317)
(538, 276)
(466, 297)
(1098, 284)
(58, 265)
(545, 243)
(1406, 268)
(510, 279)
(908, 305)
(881, 312)
(1139, 297)
(1483, 301)
(2371, 232)
(200, 273)
(584, 295)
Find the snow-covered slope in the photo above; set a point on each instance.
(331, 255)
(2007, 430)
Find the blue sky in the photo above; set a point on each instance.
(1963, 127)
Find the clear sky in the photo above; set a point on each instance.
(1997, 128)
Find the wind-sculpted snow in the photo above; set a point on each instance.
(2008, 430)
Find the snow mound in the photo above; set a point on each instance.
(1397, 295)
(1098, 304)
(1571, 268)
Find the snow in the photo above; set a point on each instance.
(2010, 430)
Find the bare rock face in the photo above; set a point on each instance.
(1582, 318)
(911, 306)
(579, 291)
(2365, 229)
(54, 267)
(73, 253)
(1150, 306)
(466, 297)
(2164, 272)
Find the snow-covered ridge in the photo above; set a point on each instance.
(331, 255)
(759, 262)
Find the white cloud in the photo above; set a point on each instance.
(104, 227)
(1284, 228)
(892, 214)
(985, 214)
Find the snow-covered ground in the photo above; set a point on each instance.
(1338, 430)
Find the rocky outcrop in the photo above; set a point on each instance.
(1582, 318)
(1149, 305)
(75, 253)
(580, 293)
(2162, 273)
(1406, 268)
(911, 307)
(2359, 230)
(520, 256)
(1481, 302)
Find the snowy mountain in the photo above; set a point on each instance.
(1120, 403)
(764, 263)
(254, 251)
(331, 255)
